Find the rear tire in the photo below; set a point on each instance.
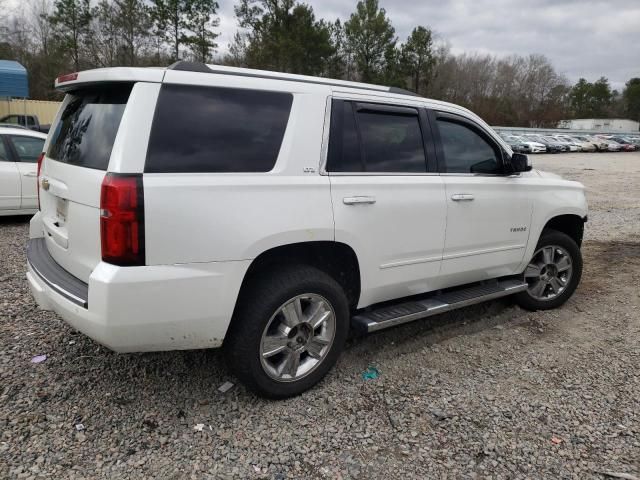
(553, 273)
(288, 330)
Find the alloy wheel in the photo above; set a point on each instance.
(298, 337)
(548, 273)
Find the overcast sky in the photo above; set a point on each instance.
(583, 38)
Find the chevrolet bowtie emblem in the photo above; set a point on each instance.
(45, 184)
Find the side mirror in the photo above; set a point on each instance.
(520, 163)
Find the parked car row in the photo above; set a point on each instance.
(557, 143)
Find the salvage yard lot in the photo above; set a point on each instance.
(490, 391)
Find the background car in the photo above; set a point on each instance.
(551, 146)
(571, 146)
(627, 145)
(598, 143)
(516, 144)
(584, 146)
(574, 145)
(19, 152)
(534, 147)
(612, 146)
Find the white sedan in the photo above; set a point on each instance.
(19, 152)
(534, 147)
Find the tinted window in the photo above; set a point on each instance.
(466, 151)
(85, 133)
(344, 148)
(391, 142)
(4, 155)
(206, 129)
(28, 148)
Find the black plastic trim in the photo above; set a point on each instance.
(403, 91)
(56, 277)
(386, 108)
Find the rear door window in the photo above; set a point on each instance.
(375, 138)
(217, 130)
(87, 128)
(28, 149)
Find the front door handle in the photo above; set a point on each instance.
(358, 200)
(30, 174)
(462, 197)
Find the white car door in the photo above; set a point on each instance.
(389, 205)
(488, 211)
(27, 150)
(9, 179)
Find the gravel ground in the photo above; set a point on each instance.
(490, 391)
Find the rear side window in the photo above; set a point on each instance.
(87, 128)
(375, 139)
(211, 129)
(28, 149)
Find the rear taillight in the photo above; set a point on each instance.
(122, 219)
(40, 158)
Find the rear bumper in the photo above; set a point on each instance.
(138, 309)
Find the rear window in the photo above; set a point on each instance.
(88, 126)
(211, 129)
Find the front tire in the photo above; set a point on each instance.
(288, 330)
(553, 273)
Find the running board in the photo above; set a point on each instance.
(390, 316)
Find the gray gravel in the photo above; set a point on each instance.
(491, 391)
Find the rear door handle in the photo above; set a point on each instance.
(31, 174)
(462, 197)
(358, 200)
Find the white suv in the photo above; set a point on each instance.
(205, 206)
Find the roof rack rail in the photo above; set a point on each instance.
(187, 66)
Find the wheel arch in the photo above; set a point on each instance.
(336, 259)
(569, 224)
(568, 221)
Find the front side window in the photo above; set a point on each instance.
(467, 151)
(27, 148)
(217, 130)
(375, 140)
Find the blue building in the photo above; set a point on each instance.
(14, 82)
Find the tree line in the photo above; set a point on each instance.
(51, 37)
